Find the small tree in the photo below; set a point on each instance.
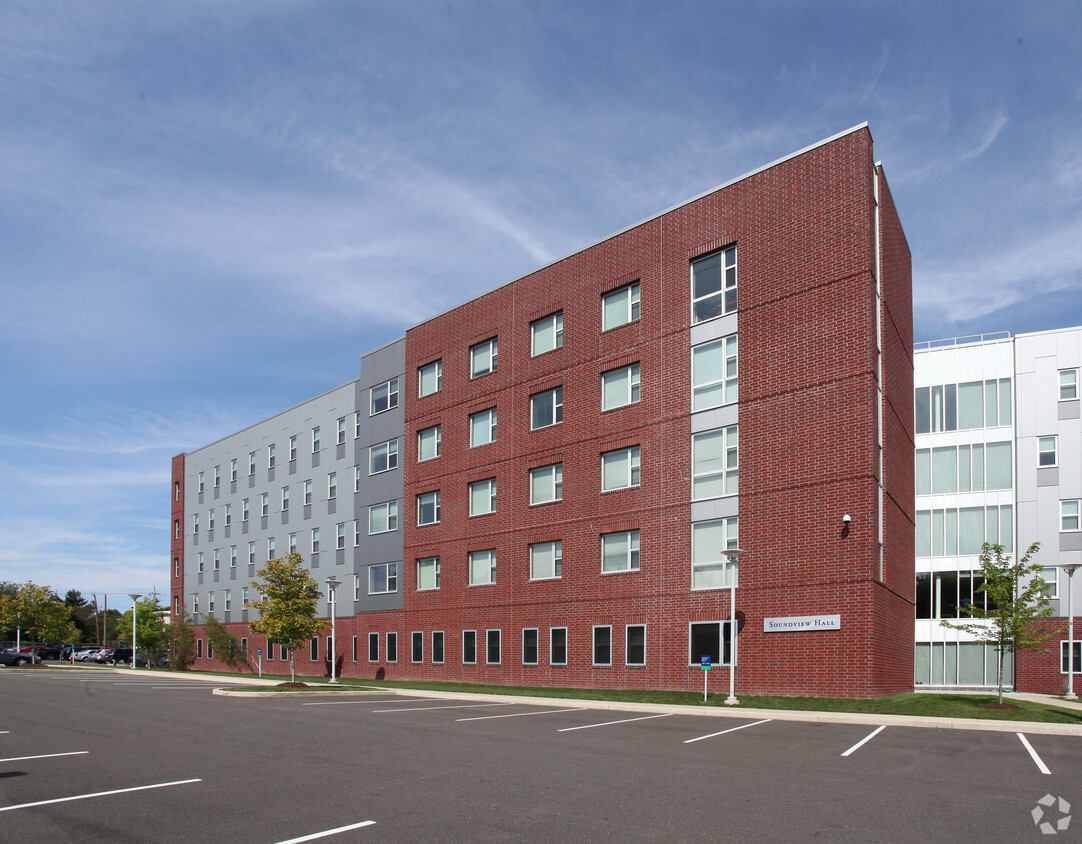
(226, 645)
(287, 611)
(181, 642)
(1017, 598)
(150, 628)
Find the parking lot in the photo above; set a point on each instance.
(123, 756)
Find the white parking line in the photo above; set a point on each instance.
(427, 708)
(1033, 753)
(611, 723)
(865, 740)
(518, 714)
(730, 730)
(316, 835)
(45, 756)
(95, 794)
(366, 700)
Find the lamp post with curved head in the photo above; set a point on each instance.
(332, 587)
(134, 597)
(733, 555)
(1070, 568)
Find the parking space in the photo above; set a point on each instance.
(150, 760)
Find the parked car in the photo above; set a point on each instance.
(112, 656)
(87, 655)
(43, 652)
(16, 657)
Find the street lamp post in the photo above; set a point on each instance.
(134, 597)
(332, 585)
(733, 555)
(1070, 568)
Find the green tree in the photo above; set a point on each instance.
(181, 642)
(1017, 598)
(37, 613)
(150, 628)
(227, 647)
(287, 610)
(81, 613)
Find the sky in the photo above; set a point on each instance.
(210, 210)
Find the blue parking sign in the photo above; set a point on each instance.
(706, 662)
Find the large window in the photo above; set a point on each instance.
(428, 443)
(547, 334)
(392, 647)
(620, 551)
(482, 568)
(1069, 514)
(953, 407)
(382, 578)
(635, 645)
(530, 646)
(620, 469)
(1047, 451)
(383, 517)
(547, 483)
(492, 647)
(963, 468)
(483, 497)
(546, 560)
(602, 645)
(620, 307)
(373, 647)
(483, 427)
(383, 457)
(709, 638)
(437, 647)
(713, 285)
(1068, 384)
(483, 358)
(428, 508)
(620, 387)
(429, 378)
(469, 646)
(417, 646)
(547, 408)
(946, 594)
(428, 573)
(1076, 657)
(714, 374)
(558, 646)
(714, 463)
(710, 568)
(384, 397)
(954, 531)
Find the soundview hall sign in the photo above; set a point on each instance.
(801, 623)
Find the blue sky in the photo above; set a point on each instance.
(210, 210)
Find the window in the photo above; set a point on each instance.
(945, 594)
(198, 648)
(315, 440)
(195, 604)
(340, 536)
(307, 493)
(417, 646)
(635, 645)
(293, 543)
(383, 397)
(437, 647)
(428, 443)
(356, 533)
(714, 374)
(547, 483)
(469, 646)
(483, 358)
(251, 553)
(713, 285)
(529, 646)
(383, 518)
(176, 528)
(201, 561)
(714, 464)
(315, 540)
(1050, 576)
(383, 457)
(251, 462)
(228, 515)
(963, 468)
(953, 407)
(710, 569)
(547, 408)
(210, 602)
(293, 448)
(373, 647)
(314, 649)
(210, 519)
(1046, 451)
(270, 456)
(483, 427)
(217, 477)
(708, 638)
(546, 334)
(382, 578)
(342, 431)
(233, 469)
(429, 378)
(354, 648)
(558, 646)
(1069, 515)
(620, 387)
(176, 566)
(392, 647)
(620, 307)
(232, 556)
(492, 647)
(620, 551)
(332, 485)
(1068, 384)
(202, 483)
(483, 497)
(428, 573)
(620, 469)
(244, 596)
(176, 490)
(356, 478)
(245, 510)
(1076, 657)
(602, 645)
(482, 568)
(357, 425)
(546, 560)
(428, 508)
(195, 524)
(271, 547)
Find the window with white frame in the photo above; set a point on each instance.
(314, 649)
(232, 556)
(546, 560)
(557, 646)
(469, 646)
(383, 457)
(530, 647)
(251, 553)
(227, 513)
(292, 448)
(373, 647)
(285, 498)
(383, 397)
(272, 548)
(430, 378)
(428, 508)
(383, 518)
(356, 533)
(714, 464)
(210, 519)
(392, 647)
(217, 477)
(1047, 451)
(620, 551)
(483, 427)
(356, 478)
(546, 334)
(227, 600)
(483, 497)
(315, 440)
(307, 493)
(357, 425)
(429, 442)
(233, 469)
(417, 646)
(342, 430)
(332, 485)
(482, 567)
(315, 540)
(210, 602)
(635, 644)
(710, 568)
(271, 458)
(714, 373)
(547, 408)
(602, 645)
(620, 307)
(620, 468)
(245, 510)
(428, 573)
(709, 638)
(195, 604)
(1069, 511)
(547, 483)
(492, 647)
(1050, 576)
(201, 561)
(382, 578)
(437, 647)
(340, 536)
(1076, 657)
(264, 504)
(244, 597)
(1068, 384)
(713, 285)
(251, 462)
(620, 387)
(483, 358)
(202, 483)
(293, 543)
(195, 524)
